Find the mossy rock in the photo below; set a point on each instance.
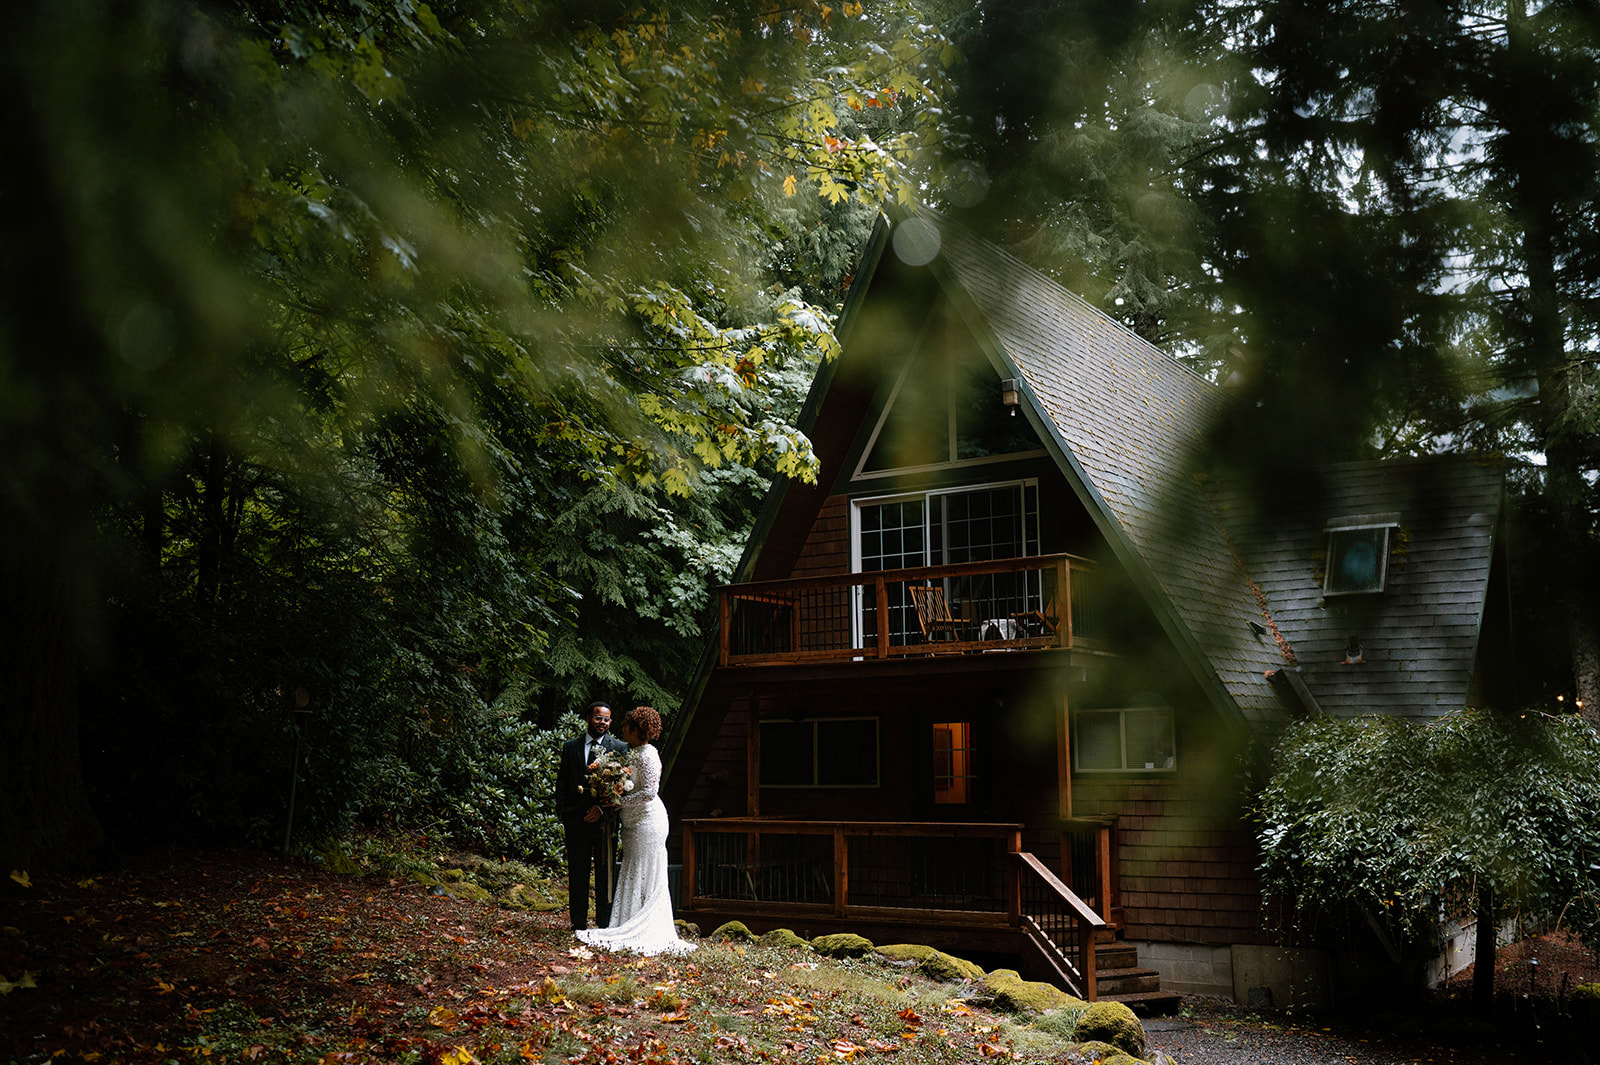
(1096, 1052)
(469, 890)
(784, 937)
(1016, 995)
(932, 962)
(842, 945)
(1591, 992)
(527, 897)
(334, 859)
(1114, 1023)
(453, 875)
(686, 929)
(732, 930)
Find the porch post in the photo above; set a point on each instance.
(724, 615)
(841, 871)
(1064, 606)
(881, 613)
(1014, 878)
(688, 866)
(1064, 759)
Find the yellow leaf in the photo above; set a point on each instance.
(788, 190)
(442, 1017)
(27, 979)
(457, 1056)
(21, 877)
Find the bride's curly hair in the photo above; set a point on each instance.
(646, 720)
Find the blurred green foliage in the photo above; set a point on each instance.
(1404, 823)
(394, 378)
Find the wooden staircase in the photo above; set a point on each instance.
(1118, 978)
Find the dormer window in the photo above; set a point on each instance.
(1358, 558)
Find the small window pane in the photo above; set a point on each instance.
(1149, 736)
(1100, 741)
(848, 753)
(787, 753)
(1357, 560)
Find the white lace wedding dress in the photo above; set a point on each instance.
(641, 910)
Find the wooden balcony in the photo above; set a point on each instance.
(1043, 602)
(941, 876)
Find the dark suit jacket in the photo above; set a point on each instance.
(572, 774)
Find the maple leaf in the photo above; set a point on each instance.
(911, 1016)
(442, 1017)
(21, 877)
(25, 980)
(992, 1050)
(457, 1056)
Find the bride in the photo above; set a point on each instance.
(641, 911)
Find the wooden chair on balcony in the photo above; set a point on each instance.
(933, 615)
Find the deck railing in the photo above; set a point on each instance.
(1060, 925)
(954, 872)
(1040, 602)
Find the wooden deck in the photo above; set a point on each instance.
(954, 884)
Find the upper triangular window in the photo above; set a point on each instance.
(944, 411)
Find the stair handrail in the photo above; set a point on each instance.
(1059, 923)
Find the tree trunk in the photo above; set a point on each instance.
(1483, 960)
(1536, 193)
(47, 822)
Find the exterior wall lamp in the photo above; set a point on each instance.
(1010, 394)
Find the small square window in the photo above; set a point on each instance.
(1136, 740)
(1358, 560)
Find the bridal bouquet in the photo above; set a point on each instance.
(610, 778)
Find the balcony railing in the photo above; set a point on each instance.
(1036, 603)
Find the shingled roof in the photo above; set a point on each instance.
(1419, 635)
(1127, 423)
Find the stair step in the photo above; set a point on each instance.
(1148, 1003)
(1114, 982)
(1118, 957)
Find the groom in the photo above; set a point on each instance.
(588, 845)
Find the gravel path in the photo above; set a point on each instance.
(1210, 1038)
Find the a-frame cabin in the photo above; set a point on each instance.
(986, 683)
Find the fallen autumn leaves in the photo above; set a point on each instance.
(238, 956)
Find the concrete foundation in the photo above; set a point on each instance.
(1189, 968)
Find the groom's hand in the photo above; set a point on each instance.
(592, 814)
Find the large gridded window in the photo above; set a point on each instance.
(1131, 740)
(826, 752)
(1358, 559)
(961, 525)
